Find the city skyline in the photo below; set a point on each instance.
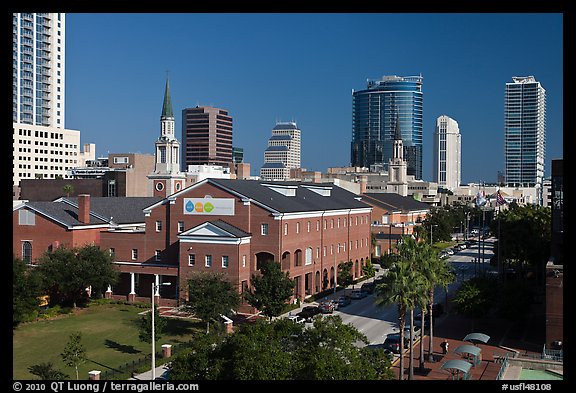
(268, 68)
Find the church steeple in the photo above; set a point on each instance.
(167, 105)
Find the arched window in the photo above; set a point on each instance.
(308, 256)
(27, 252)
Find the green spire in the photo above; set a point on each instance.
(167, 105)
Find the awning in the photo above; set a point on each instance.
(471, 349)
(456, 365)
(476, 338)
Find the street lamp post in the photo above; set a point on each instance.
(154, 289)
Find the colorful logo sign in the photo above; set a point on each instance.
(212, 206)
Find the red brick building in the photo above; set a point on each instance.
(231, 226)
(216, 225)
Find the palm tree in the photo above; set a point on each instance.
(402, 286)
(437, 272)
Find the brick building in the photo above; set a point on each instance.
(231, 226)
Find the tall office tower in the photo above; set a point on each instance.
(374, 112)
(206, 136)
(166, 179)
(447, 155)
(524, 132)
(283, 152)
(42, 148)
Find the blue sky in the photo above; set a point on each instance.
(267, 67)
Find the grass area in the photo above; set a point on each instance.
(109, 334)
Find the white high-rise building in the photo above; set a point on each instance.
(283, 152)
(42, 147)
(524, 132)
(447, 156)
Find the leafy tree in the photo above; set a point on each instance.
(344, 276)
(67, 272)
(271, 289)
(210, 296)
(46, 371)
(368, 269)
(524, 236)
(284, 350)
(74, 353)
(145, 326)
(475, 297)
(26, 289)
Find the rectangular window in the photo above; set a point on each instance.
(208, 261)
(308, 226)
(285, 229)
(26, 217)
(157, 255)
(158, 226)
(111, 251)
(264, 229)
(243, 260)
(180, 226)
(224, 261)
(297, 227)
(134, 254)
(191, 259)
(308, 256)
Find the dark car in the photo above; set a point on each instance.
(368, 287)
(358, 294)
(343, 301)
(308, 313)
(392, 343)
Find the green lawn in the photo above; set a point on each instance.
(109, 334)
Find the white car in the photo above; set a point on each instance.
(449, 251)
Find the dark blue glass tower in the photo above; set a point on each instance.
(374, 114)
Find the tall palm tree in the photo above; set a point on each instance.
(437, 272)
(400, 287)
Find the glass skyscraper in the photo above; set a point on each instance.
(524, 132)
(374, 114)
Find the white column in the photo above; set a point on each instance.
(157, 281)
(132, 284)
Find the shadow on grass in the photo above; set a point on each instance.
(120, 347)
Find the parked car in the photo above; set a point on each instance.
(296, 319)
(443, 255)
(327, 307)
(392, 343)
(358, 294)
(449, 251)
(417, 330)
(368, 287)
(308, 313)
(418, 321)
(343, 301)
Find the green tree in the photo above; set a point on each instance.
(524, 236)
(74, 353)
(67, 272)
(271, 289)
(368, 269)
(68, 189)
(437, 272)
(344, 277)
(26, 289)
(211, 295)
(46, 371)
(475, 297)
(201, 363)
(402, 286)
(145, 326)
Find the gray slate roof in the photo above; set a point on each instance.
(122, 210)
(393, 201)
(304, 200)
(235, 231)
